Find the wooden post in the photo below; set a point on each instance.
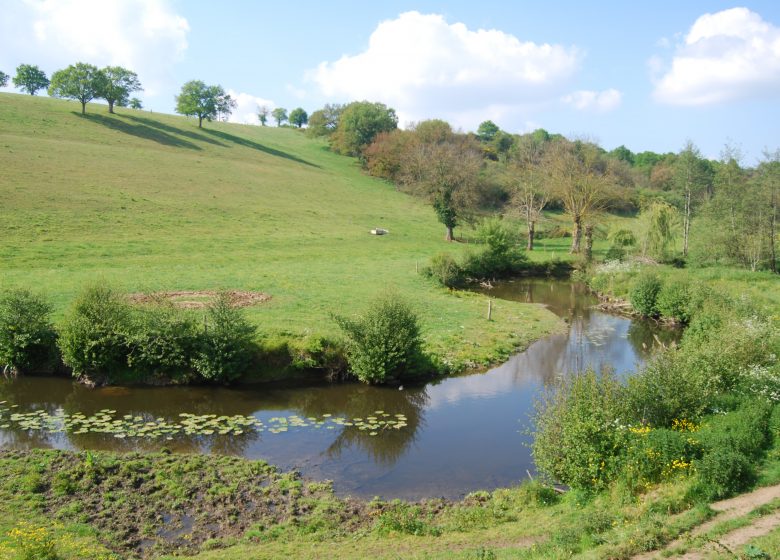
(490, 310)
(417, 267)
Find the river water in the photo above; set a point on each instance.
(461, 433)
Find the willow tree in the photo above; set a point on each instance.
(579, 177)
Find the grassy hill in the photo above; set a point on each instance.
(148, 202)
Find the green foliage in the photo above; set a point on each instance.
(398, 517)
(226, 344)
(27, 336)
(359, 123)
(445, 270)
(93, 337)
(82, 82)
(298, 117)
(644, 295)
(30, 79)
(280, 115)
(135, 103)
(162, 341)
(324, 122)
(117, 85)
(576, 435)
(659, 222)
(196, 99)
(384, 344)
(3, 79)
(674, 301)
(500, 257)
(487, 130)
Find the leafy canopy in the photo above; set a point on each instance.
(79, 81)
(30, 78)
(205, 102)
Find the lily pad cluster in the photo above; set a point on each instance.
(107, 421)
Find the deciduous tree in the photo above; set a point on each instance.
(280, 115)
(262, 114)
(691, 179)
(529, 192)
(298, 117)
(135, 103)
(29, 78)
(359, 124)
(118, 84)
(79, 81)
(324, 122)
(3, 79)
(199, 100)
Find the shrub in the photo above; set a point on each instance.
(577, 439)
(93, 339)
(384, 344)
(445, 270)
(644, 295)
(615, 253)
(162, 341)
(27, 336)
(674, 301)
(226, 343)
(724, 472)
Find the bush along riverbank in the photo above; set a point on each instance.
(107, 337)
(707, 410)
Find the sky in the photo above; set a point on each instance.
(647, 75)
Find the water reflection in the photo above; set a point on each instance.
(462, 433)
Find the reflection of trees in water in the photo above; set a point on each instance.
(640, 335)
(360, 401)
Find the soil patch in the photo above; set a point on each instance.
(198, 299)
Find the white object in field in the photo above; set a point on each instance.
(379, 231)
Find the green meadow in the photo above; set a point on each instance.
(149, 202)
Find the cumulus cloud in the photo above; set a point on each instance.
(729, 55)
(423, 66)
(147, 36)
(600, 101)
(247, 106)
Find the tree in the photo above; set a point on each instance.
(298, 117)
(359, 124)
(658, 221)
(280, 115)
(135, 103)
(690, 177)
(528, 190)
(79, 81)
(579, 179)
(324, 122)
(199, 100)
(3, 79)
(118, 84)
(262, 114)
(487, 131)
(225, 106)
(769, 174)
(447, 173)
(30, 78)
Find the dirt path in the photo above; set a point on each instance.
(727, 510)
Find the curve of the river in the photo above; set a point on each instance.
(461, 433)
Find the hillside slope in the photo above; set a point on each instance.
(150, 202)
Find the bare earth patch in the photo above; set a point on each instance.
(198, 299)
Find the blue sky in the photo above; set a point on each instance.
(647, 75)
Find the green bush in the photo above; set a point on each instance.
(615, 253)
(724, 472)
(445, 270)
(94, 336)
(674, 301)
(226, 344)
(577, 439)
(162, 341)
(27, 336)
(384, 344)
(644, 295)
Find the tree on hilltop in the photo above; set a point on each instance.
(205, 102)
(359, 123)
(262, 114)
(3, 79)
(298, 117)
(118, 84)
(280, 115)
(79, 81)
(30, 79)
(135, 103)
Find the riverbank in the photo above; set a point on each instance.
(97, 505)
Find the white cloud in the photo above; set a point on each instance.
(732, 54)
(425, 67)
(147, 36)
(247, 106)
(600, 101)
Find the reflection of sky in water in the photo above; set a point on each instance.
(464, 433)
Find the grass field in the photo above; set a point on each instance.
(150, 202)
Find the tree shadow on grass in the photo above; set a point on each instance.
(172, 129)
(140, 131)
(255, 146)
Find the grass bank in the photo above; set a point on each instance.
(148, 202)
